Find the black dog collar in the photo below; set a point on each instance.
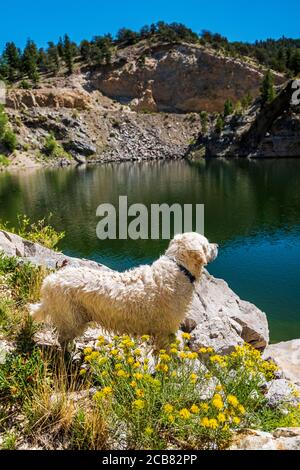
(185, 271)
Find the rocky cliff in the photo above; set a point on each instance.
(178, 78)
(262, 132)
(144, 105)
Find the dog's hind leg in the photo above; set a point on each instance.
(37, 312)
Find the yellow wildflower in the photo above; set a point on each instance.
(217, 402)
(221, 417)
(87, 351)
(162, 367)
(145, 338)
(232, 400)
(139, 392)
(148, 431)
(165, 357)
(185, 413)
(219, 388)
(139, 404)
(202, 350)
(182, 355)
(118, 366)
(186, 336)
(173, 350)
(82, 372)
(122, 373)
(136, 365)
(168, 408)
(174, 374)
(138, 376)
(195, 409)
(241, 409)
(192, 355)
(133, 384)
(204, 422)
(171, 418)
(114, 352)
(130, 360)
(204, 407)
(236, 420)
(194, 378)
(213, 423)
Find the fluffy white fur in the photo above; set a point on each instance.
(147, 300)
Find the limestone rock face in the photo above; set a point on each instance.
(280, 439)
(48, 98)
(146, 102)
(186, 78)
(217, 317)
(287, 355)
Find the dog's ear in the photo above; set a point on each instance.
(195, 258)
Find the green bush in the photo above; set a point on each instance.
(10, 140)
(7, 136)
(53, 149)
(37, 232)
(4, 161)
(3, 122)
(25, 85)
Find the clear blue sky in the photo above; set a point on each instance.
(237, 19)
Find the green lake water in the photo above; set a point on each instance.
(252, 210)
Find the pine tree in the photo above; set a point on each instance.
(246, 101)
(53, 60)
(60, 48)
(228, 108)
(296, 62)
(30, 61)
(204, 121)
(68, 54)
(267, 90)
(85, 49)
(219, 125)
(11, 57)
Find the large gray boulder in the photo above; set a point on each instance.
(287, 355)
(280, 439)
(217, 317)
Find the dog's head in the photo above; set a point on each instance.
(192, 250)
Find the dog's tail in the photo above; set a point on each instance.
(37, 312)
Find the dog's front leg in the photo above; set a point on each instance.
(163, 342)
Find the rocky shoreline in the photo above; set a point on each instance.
(217, 318)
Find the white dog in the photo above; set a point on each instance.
(149, 300)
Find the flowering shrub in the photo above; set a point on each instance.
(175, 400)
